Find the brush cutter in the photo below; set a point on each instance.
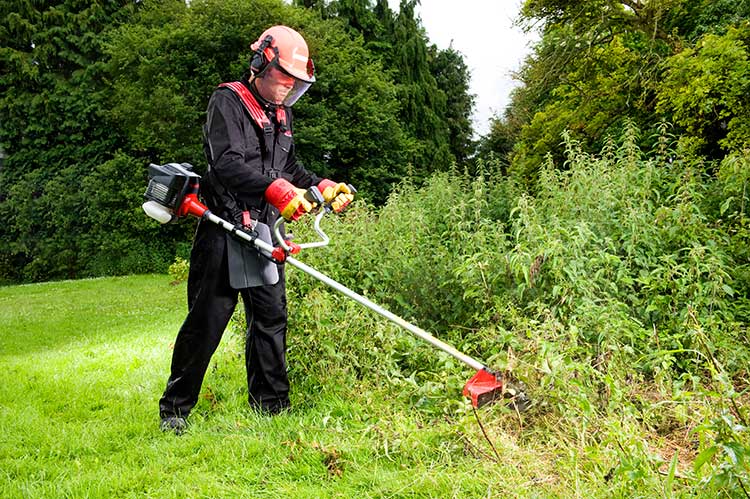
(172, 194)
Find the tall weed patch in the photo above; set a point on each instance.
(618, 292)
(631, 258)
(625, 251)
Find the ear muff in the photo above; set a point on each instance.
(260, 60)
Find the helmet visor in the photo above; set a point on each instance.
(297, 90)
(281, 80)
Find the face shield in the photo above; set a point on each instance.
(282, 87)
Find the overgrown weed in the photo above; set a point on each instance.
(617, 292)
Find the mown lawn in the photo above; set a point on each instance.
(83, 363)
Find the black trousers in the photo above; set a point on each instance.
(211, 302)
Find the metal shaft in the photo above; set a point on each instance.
(416, 331)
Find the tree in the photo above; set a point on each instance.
(93, 92)
(432, 85)
(54, 129)
(499, 141)
(453, 78)
(164, 71)
(705, 92)
(600, 62)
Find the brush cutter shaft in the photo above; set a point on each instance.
(261, 245)
(416, 331)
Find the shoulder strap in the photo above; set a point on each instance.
(251, 104)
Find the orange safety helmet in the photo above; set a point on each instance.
(285, 49)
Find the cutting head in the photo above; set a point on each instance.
(487, 386)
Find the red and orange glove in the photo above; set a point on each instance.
(289, 200)
(337, 195)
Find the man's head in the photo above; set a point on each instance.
(281, 65)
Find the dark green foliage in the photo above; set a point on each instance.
(119, 238)
(421, 100)
(432, 86)
(93, 93)
(705, 91)
(452, 76)
(595, 65)
(55, 130)
(166, 68)
(599, 63)
(348, 126)
(498, 144)
(700, 17)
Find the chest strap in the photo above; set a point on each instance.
(251, 104)
(256, 111)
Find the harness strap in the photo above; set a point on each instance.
(281, 118)
(252, 106)
(259, 116)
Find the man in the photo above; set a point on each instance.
(253, 178)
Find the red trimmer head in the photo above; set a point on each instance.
(487, 386)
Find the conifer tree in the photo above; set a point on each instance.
(432, 85)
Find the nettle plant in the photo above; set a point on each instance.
(615, 289)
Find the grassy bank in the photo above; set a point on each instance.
(82, 364)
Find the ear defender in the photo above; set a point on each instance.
(259, 60)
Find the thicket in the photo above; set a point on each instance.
(91, 93)
(619, 293)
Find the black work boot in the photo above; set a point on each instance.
(173, 424)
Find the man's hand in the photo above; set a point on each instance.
(289, 200)
(337, 195)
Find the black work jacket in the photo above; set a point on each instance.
(243, 160)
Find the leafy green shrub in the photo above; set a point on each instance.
(615, 292)
(178, 271)
(620, 251)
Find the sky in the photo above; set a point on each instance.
(483, 32)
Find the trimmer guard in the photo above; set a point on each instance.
(248, 268)
(483, 388)
(487, 386)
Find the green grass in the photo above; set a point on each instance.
(83, 363)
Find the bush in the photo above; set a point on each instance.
(613, 293)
